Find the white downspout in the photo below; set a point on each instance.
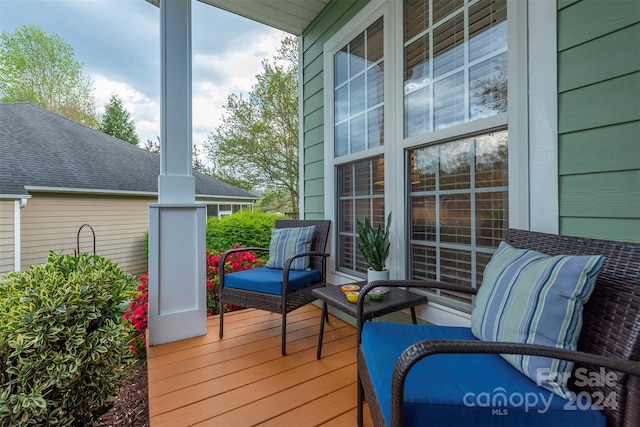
(17, 237)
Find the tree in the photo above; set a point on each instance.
(117, 122)
(256, 146)
(196, 163)
(42, 69)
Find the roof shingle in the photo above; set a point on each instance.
(39, 148)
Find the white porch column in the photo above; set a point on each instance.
(177, 292)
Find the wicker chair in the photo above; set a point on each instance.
(610, 336)
(286, 300)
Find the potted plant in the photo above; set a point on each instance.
(374, 246)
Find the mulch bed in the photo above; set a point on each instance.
(131, 406)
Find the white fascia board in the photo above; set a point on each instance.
(89, 191)
(94, 191)
(14, 196)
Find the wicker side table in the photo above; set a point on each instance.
(394, 300)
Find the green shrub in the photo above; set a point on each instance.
(244, 228)
(63, 348)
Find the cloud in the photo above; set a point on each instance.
(119, 44)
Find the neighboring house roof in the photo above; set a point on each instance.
(39, 148)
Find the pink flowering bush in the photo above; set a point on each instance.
(136, 315)
(238, 261)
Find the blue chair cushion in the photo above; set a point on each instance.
(463, 389)
(269, 280)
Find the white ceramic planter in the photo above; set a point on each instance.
(373, 275)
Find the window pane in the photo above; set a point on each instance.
(360, 190)
(359, 92)
(357, 95)
(345, 219)
(342, 139)
(467, 56)
(375, 41)
(455, 165)
(448, 108)
(425, 164)
(448, 46)
(341, 107)
(487, 28)
(423, 218)
(375, 127)
(357, 134)
(442, 8)
(362, 178)
(416, 65)
(488, 87)
(341, 66)
(416, 17)
(458, 206)
(377, 170)
(375, 86)
(356, 56)
(491, 218)
(455, 218)
(491, 160)
(423, 262)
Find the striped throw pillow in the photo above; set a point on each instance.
(286, 242)
(530, 297)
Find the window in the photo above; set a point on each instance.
(358, 139)
(455, 72)
(420, 131)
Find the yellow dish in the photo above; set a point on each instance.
(352, 296)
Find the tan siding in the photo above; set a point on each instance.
(6, 236)
(51, 223)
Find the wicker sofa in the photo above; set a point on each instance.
(610, 339)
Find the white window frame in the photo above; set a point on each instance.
(533, 177)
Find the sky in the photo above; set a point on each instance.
(118, 41)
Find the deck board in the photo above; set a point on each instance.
(243, 380)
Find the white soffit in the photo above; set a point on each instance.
(292, 16)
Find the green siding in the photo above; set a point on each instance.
(599, 118)
(602, 195)
(618, 229)
(590, 19)
(601, 149)
(334, 16)
(601, 104)
(600, 59)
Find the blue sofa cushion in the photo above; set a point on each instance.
(287, 242)
(269, 280)
(462, 389)
(533, 298)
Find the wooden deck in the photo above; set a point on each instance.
(243, 380)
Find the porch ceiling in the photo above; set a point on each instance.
(292, 16)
